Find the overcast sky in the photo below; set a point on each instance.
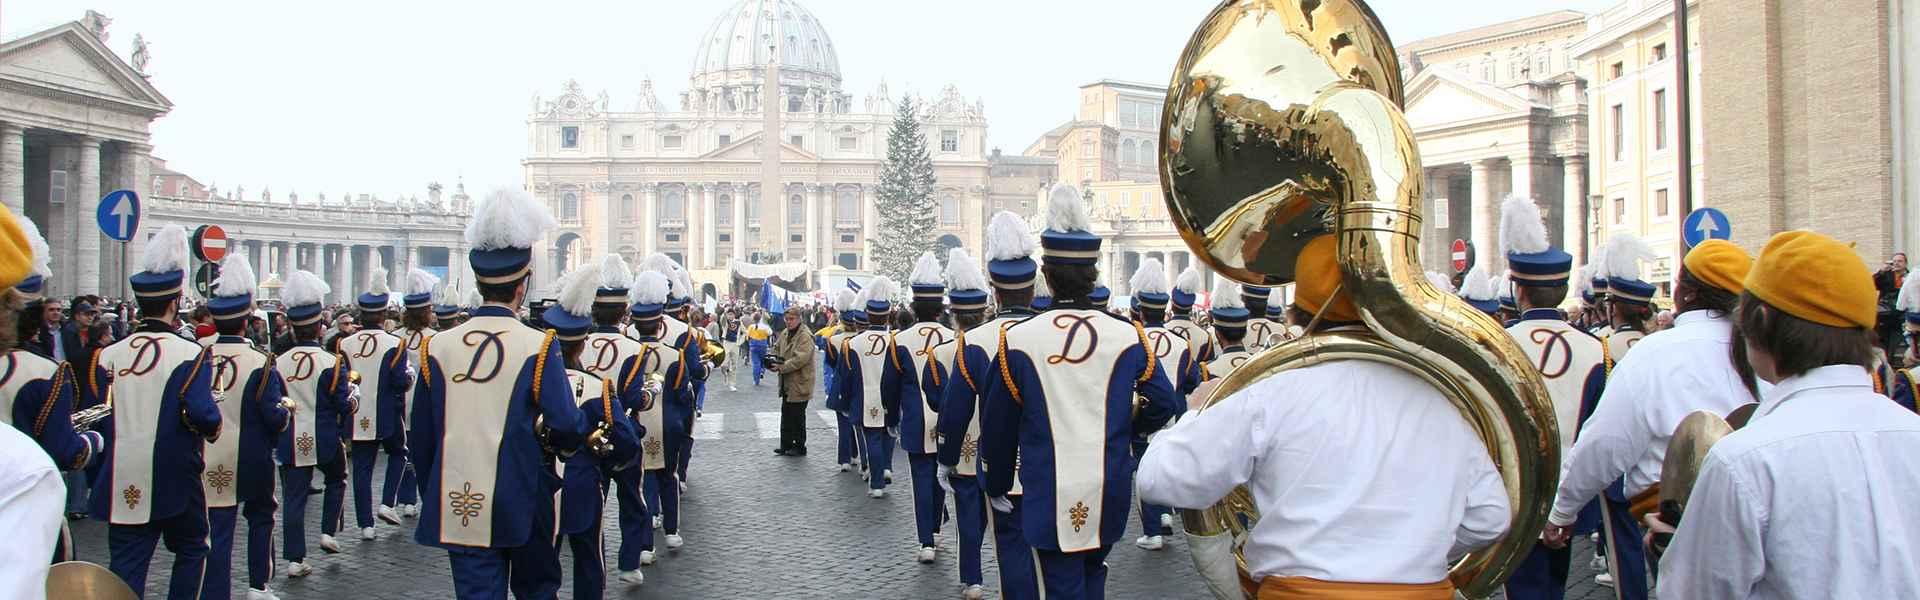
(384, 97)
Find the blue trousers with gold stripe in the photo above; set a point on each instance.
(970, 504)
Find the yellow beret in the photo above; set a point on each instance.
(16, 256)
(1720, 264)
(1816, 278)
(1316, 273)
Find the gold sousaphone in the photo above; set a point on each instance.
(1283, 122)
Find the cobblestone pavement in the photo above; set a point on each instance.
(756, 526)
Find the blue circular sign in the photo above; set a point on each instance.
(119, 215)
(1706, 224)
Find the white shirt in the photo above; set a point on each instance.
(31, 497)
(1363, 473)
(1817, 497)
(1669, 375)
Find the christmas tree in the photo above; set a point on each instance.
(904, 198)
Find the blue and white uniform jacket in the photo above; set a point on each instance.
(1573, 363)
(411, 341)
(677, 334)
(912, 350)
(248, 391)
(667, 417)
(866, 355)
(381, 360)
(614, 357)
(36, 397)
(1231, 358)
(836, 364)
(163, 413)
(1200, 341)
(967, 379)
(318, 383)
(582, 494)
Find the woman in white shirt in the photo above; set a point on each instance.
(1815, 497)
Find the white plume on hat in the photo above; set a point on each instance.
(42, 252)
(1477, 285)
(1150, 278)
(844, 299)
(1008, 237)
(166, 251)
(1521, 229)
(1909, 298)
(303, 288)
(236, 277)
(1623, 255)
(444, 293)
(1440, 281)
(926, 270)
(1040, 287)
(682, 285)
(650, 287)
(419, 281)
(1066, 210)
(1189, 281)
(614, 273)
(508, 218)
(659, 261)
(1504, 284)
(963, 272)
(881, 288)
(1582, 285)
(377, 282)
(577, 290)
(1226, 294)
(472, 299)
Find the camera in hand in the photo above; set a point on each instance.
(772, 360)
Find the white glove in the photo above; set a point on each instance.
(893, 432)
(1000, 504)
(942, 476)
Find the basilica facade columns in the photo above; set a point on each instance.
(13, 167)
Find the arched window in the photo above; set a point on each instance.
(1126, 153)
(796, 211)
(753, 209)
(626, 207)
(846, 206)
(1486, 68)
(949, 210)
(723, 210)
(793, 100)
(1541, 58)
(673, 205)
(569, 207)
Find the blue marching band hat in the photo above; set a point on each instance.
(502, 232)
(1229, 311)
(304, 295)
(1149, 283)
(1477, 288)
(1101, 296)
(445, 302)
(966, 285)
(233, 291)
(1253, 294)
(878, 295)
(34, 287)
(1275, 307)
(419, 289)
(1186, 289)
(649, 296)
(1621, 268)
(163, 268)
(1068, 239)
(1598, 287)
(571, 315)
(926, 280)
(1532, 261)
(378, 294)
(1010, 249)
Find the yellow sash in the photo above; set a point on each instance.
(1307, 588)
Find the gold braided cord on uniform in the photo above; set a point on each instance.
(846, 349)
(1879, 383)
(184, 385)
(606, 400)
(1006, 373)
(425, 369)
(636, 367)
(1914, 387)
(397, 356)
(540, 366)
(960, 360)
(53, 396)
(933, 364)
(1147, 349)
(893, 354)
(261, 389)
(1606, 356)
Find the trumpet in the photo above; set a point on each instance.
(600, 440)
(84, 419)
(714, 353)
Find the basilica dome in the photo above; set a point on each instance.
(740, 39)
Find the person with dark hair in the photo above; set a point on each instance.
(320, 384)
(239, 465)
(1186, 291)
(583, 490)
(910, 349)
(1336, 443)
(1573, 364)
(1813, 497)
(422, 305)
(1629, 299)
(149, 484)
(1600, 289)
(1230, 316)
(1669, 375)
(661, 421)
(1052, 415)
(847, 454)
(1887, 283)
(866, 356)
(792, 352)
(386, 372)
(610, 355)
(966, 289)
(1171, 352)
(474, 438)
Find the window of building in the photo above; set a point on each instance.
(797, 141)
(848, 142)
(1540, 60)
(1515, 67)
(1619, 123)
(673, 205)
(673, 236)
(753, 210)
(1660, 203)
(846, 206)
(1658, 54)
(1486, 68)
(1126, 153)
(1659, 119)
(725, 139)
(626, 140)
(1615, 71)
(1619, 211)
(671, 142)
(949, 210)
(949, 140)
(626, 207)
(677, 257)
(569, 137)
(1086, 145)
(847, 260)
(723, 209)
(725, 237)
(796, 211)
(57, 187)
(846, 238)
(569, 207)
(794, 238)
(793, 102)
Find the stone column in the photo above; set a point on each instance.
(340, 271)
(258, 252)
(697, 226)
(282, 265)
(13, 167)
(1486, 216)
(740, 228)
(868, 217)
(649, 216)
(87, 193)
(1572, 218)
(812, 233)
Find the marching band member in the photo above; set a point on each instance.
(1477, 288)
(240, 463)
(494, 411)
(1042, 295)
(1186, 291)
(849, 446)
(866, 358)
(1170, 352)
(380, 358)
(1013, 272)
(1261, 328)
(1620, 449)
(323, 399)
(967, 296)
(662, 419)
(38, 398)
(163, 411)
(1629, 299)
(677, 333)
(1277, 314)
(1064, 402)
(1906, 382)
(1813, 497)
(909, 351)
(422, 306)
(1302, 454)
(1509, 312)
(1229, 330)
(585, 474)
(1101, 297)
(610, 355)
(1571, 361)
(1601, 285)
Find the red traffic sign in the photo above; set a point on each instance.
(1460, 256)
(210, 243)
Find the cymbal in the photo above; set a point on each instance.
(86, 581)
(1686, 451)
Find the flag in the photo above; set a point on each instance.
(772, 298)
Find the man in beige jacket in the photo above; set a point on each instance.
(792, 357)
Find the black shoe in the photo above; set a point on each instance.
(780, 451)
(76, 516)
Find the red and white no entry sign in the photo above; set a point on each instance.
(1459, 256)
(210, 243)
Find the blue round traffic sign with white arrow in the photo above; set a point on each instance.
(1706, 224)
(119, 215)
